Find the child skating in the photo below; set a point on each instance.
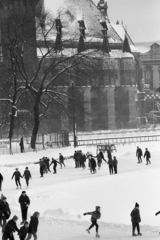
(95, 215)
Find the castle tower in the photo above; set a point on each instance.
(103, 7)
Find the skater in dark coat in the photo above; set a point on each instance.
(23, 231)
(42, 167)
(115, 163)
(17, 176)
(61, 160)
(135, 219)
(46, 161)
(147, 155)
(33, 226)
(110, 164)
(139, 154)
(27, 176)
(102, 155)
(95, 215)
(5, 212)
(83, 160)
(54, 162)
(21, 144)
(99, 160)
(10, 228)
(24, 204)
(92, 164)
(1, 180)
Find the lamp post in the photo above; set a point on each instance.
(74, 119)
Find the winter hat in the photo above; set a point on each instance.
(26, 167)
(15, 218)
(136, 205)
(16, 168)
(4, 198)
(23, 191)
(97, 207)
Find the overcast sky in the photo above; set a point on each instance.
(142, 17)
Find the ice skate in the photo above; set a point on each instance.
(97, 235)
(139, 234)
(88, 230)
(133, 234)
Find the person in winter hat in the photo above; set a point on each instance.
(24, 204)
(5, 212)
(115, 163)
(95, 215)
(17, 176)
(135, 219)
(23, 231)
(54, 162)
(147, 155)
(10, 228)
(27, 176)
(33, 226)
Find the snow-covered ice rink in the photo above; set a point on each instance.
(62, 198)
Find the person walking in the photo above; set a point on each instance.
(95, 215)
(135, 219)
(33, 226)
(148, 156)
(5, 212)
(10, 228)
(23, 231)
(21, 144)
(24, 204)
(139, 155)
(1, 180)
(110, 164)
(115, 163)
(27, 176)
(54, 162)
(17, 176)
(61, 160)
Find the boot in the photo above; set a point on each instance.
(97, 235)
(88, 230)
(133, 234)
(139, 234)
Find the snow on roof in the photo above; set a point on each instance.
(121, 54)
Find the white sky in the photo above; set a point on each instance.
(142, 17)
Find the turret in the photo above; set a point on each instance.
(102, 6)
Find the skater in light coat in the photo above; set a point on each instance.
(95, 215)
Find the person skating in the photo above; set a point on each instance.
(54, 162)
(24, 204)
(115, 163)
(33, 226)
(17, 176)
(1, 180)
(102, 156)
(95, 215)
(83, 160)
(61, 160)
(99, 160)
(148, 156)
(110, 164)
(21, 144)
(139, 155)
(46, 161)
(42, 167)
(10, 228)
(5, 212)
(23, 231)
(135, 219)
(92, 164)
(27, 176)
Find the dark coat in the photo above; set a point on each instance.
(139, 152)
(101, 154)
(24, 201)
(21, 144)
(147, 154)
(23, 232)
(110, 162)
(54, 162)
(95, 215)
(10, 228)
(17, 175)
(115, 162)
(135, 216)
(61, 158)
(27, 174)
(1, 177)
(33, 225)
(5, 209)
(92, 163)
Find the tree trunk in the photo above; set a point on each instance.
(36, 122)
(11, 128)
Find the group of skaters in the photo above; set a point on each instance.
(9, 225)
(139, 155)
(94, 161)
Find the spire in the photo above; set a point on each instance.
(102, 6)
(105, 45)
(81, 44)
(126, 46)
